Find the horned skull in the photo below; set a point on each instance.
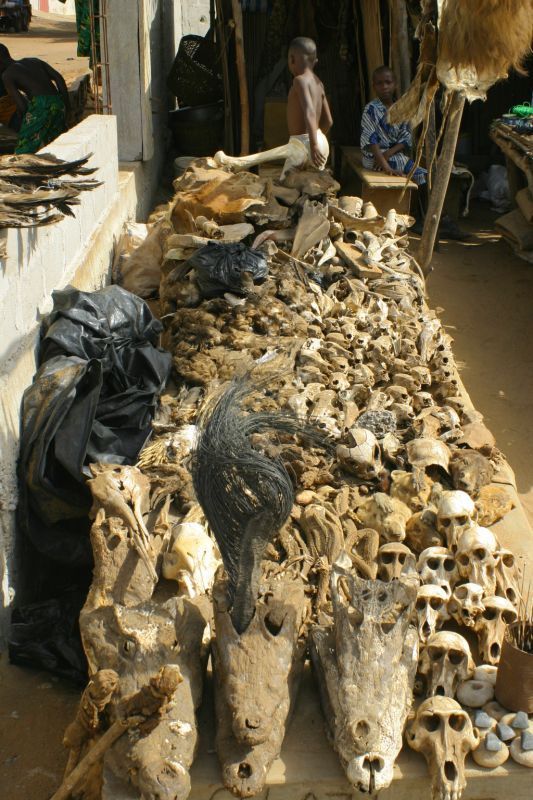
(466, 604)
(430, 609)
(443, 733)
(437, 565)
(475, 557)
(490, 627)
(445, 662)
(456, 514)
(361, 455)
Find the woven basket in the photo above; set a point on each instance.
(194, 77)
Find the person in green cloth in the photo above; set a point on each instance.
(83, 27)
(41, 97)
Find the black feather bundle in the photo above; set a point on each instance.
(246, 496)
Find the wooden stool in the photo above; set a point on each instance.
(384, 191)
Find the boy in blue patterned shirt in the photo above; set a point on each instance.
(385, 147)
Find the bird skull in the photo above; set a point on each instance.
(445, 662)
(394, 558)
(442, 731)
(430, 609)
(437, 565)
(455, 514)
(490, 627)
(466, 604)
(361, 455)
(507, 575)
(475, 557)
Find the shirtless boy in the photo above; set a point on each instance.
(41, 97)
(308, 114)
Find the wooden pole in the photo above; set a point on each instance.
(93, 756)
(442, 177)
(241, 72)
(223, 52)
(404, 53)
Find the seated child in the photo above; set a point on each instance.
(308, 114)
(385, 147)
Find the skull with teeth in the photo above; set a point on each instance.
(445, 662)
(430, 609)
(466, 604)
(442, 731)
(437, 565)
(475, 557)
(394, 558)
(490, 627)
(455, 514)
(361, 454)
(507, 575)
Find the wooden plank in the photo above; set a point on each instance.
(353, 258)
(241, 73)
(374, 179)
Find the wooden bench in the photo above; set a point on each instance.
(384, 191)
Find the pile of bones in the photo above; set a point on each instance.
(385, 572)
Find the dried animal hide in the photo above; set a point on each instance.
(225, 200)
(253, 714)
(136, 643)
(481, 40)
(366, 664)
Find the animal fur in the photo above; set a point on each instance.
(492, 36)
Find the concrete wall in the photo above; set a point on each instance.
(76, 250)
(55, 6)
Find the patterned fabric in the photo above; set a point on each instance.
(83, 26)
(376, 130)
(43, 122)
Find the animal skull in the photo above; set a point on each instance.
(455, 514)
(421, 531)
(490, 627)
(430, 609)
(361, 455)
(445, 661)
(192, 551)
(466, 604)
(442, 731)
(437, 565)
(386, 515)
(394, 559)
(475, 557)
(507, 575)
(470, 471)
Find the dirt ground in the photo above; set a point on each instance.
(51, 37)
(486, 293)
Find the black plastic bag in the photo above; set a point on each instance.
(93, 399)
(219, 267)
(47, 635)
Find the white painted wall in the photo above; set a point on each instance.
(75, 250)
(56, 7)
